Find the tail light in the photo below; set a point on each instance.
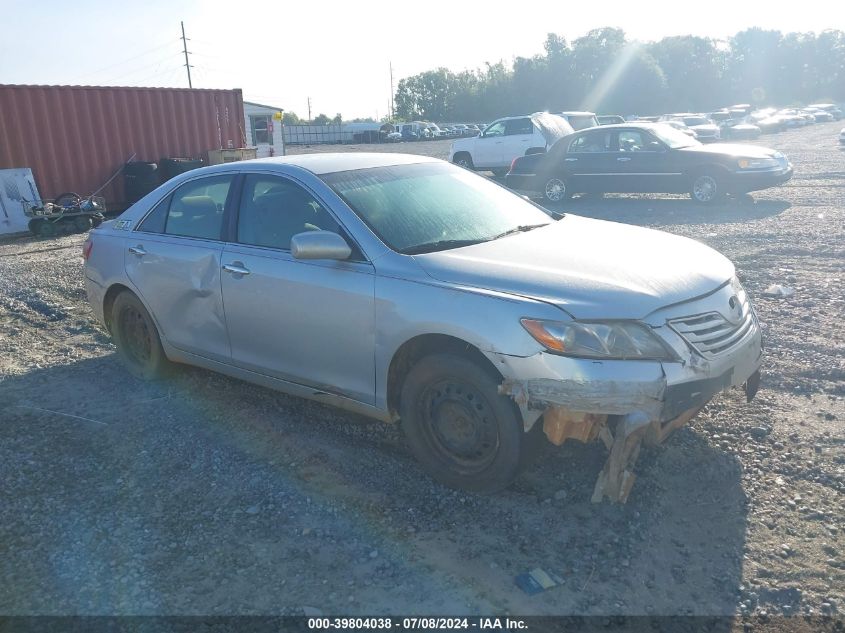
(87, 247)
(513, 163)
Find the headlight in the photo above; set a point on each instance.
(621, 340)
(758, 163)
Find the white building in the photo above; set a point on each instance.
(262, 131)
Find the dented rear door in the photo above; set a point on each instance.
(174, 261)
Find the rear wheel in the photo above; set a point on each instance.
(137, 339)
(555, 190)
(461, 430)
(705, 188)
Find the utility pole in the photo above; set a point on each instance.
(309, 110)
(185, 50)
(392, 113)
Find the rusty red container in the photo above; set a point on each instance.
(75, 137)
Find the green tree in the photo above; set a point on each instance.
(321, 119)
(291, 118)
(694, 69)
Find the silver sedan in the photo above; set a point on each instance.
(406, 288)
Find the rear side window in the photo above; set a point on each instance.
(519, 126)
(598, 141)
(157, 218)
(197, 207)
(275, 209)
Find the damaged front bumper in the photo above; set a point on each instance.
(625, 402)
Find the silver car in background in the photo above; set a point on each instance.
(406, 288)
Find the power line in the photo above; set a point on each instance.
(157, 64)
(126, 61)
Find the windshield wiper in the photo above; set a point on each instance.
(522, 228)
(438, 245)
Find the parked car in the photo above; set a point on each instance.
(737, 129)
(767, 121)
(821, 116)
(393, 137)
(681, 126)
(705, 129)
(842, 136)
(610, 119)
(460, 129)
(473, 129)
(828, 107)
(403, 287)
(791, 118)
(580, 120)
(505, 139)
(645, 158)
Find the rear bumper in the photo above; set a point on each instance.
(96, 296)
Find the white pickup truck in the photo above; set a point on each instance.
(508, 138)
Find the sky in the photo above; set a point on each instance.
(337, 53)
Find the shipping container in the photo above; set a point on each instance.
(75, 137)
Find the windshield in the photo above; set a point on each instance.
(695, 120)
(674, 138)
(581, 121)
(430, 207)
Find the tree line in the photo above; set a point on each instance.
(606, 73)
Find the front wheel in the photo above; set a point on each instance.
(137, 339)
(705, 188)
(555, 190)
(461, 430)
(462, 159)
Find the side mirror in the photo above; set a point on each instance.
(319, 245)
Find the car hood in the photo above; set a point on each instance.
(592, 269)
(733, 149)
(704, 127)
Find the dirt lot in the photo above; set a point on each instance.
(204, 495)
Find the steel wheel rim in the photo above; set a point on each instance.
(704, 188)
(555, 189)
(136, 335)
(459, 425)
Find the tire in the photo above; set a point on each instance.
(705, 188)
(463, 159)
(499, 172)
(136, 337)
(82, 223)
(68, 199)
(461, 430)
(554, 190)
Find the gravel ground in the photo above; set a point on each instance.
(205, 495)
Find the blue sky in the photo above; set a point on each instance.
(337, 53)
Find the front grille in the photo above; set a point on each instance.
(711, 334)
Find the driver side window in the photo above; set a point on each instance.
(495, 129)
(275, 209)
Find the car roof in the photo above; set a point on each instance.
(320, 163)
(630, 124)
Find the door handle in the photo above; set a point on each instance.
(570, 160)
(236, 268)
(623, 159)
(137, 250)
